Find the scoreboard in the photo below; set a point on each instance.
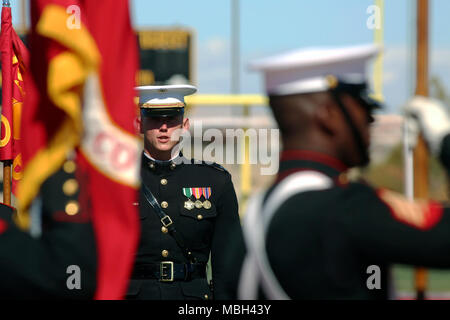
(165, 56)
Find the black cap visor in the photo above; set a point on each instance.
(161, 112)
(361, 93)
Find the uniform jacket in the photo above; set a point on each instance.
(321, 244)
(203, 230)
(37, 268)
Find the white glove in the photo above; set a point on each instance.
(433, 118)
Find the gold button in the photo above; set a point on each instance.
(69, 166)
(206, 297)
(72, 208)
(164, 204)
(70, 187)
(343, 179)
(151, 165)
(164, 230)
(199, 217)
(172, 166)
(165, 253)
(163, 182)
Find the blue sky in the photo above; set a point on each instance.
(269, 26)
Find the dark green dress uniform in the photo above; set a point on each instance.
(39, 267)
(321, 243)
(204, 230)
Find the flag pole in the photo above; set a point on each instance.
(420, 151)
(6, 163)
(7, 182)
(378, 38)
(23, 22)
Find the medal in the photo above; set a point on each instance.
(198, 204)
(197, 194)
(207, 194)
(189, 204)
(206, 204)
(188, 194)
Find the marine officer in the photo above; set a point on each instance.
(187, 207)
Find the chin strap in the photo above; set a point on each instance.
(356, 134)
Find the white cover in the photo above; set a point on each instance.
(153, 96)
(304, 70)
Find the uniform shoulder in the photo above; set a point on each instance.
(344, 183)
(356, 190)
(212, 165)
(357, 193)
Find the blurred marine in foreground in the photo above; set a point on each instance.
(314, 234)
(80, 157)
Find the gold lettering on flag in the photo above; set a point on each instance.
(4, 140)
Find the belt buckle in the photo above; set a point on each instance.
(162, 267)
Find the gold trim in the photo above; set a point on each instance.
(332, 81)
(412, 212)
(156, 106)
(17, 162)
(7, 138)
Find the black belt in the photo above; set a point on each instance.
(168, 271)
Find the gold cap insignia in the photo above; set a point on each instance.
(332, 81)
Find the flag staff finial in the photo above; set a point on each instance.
(6, 3)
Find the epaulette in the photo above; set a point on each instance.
(210, 164)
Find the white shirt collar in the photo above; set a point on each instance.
(177, 154)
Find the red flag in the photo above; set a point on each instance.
(14, 63)
(80, 97)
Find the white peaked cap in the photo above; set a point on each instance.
(164, 96)
(307, 70)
